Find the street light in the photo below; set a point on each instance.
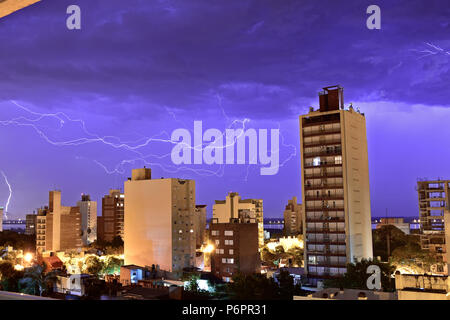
(28, 257)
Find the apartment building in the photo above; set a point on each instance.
(30, 224)
(1, 219)
(110, 223)
(293, 218)
(236, 248)
(233, 207)
(88, 210)
(159, 223)
(335, 186)
(58, 228)
(434, 199)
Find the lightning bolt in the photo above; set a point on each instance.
(34, 119)
(431, 50)
(10, 194)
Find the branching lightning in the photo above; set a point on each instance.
(33, 120)
(10, 195)
(431, 50)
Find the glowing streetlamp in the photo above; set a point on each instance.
(28, 257)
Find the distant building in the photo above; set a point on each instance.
(293, 218)
(335, 187)
(396, 222)
(236, 248)
(110, 223)
(88, 210)
(434, 199)
(30, 227)
(159, 222)
(233, 207)
(200, 225)
(58, 227)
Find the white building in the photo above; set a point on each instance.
(159, 223)
(335, 186)
(88, 210)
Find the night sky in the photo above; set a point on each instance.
(76, 105)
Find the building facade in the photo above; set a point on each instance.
(335, 186)
(58, 227)
(200, 225)
(110, 223)
(236, 248)
(30, 226)
(293, 218)
(434, 199)
(159, 222)
(88, 210)
(1, 219)
(233, 207)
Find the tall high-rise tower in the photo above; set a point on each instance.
(335, 186)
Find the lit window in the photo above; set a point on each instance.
(338, 160)
(231, 251)
(228, 232)
(316, 161)
(218, 242)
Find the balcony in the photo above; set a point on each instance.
(323, 230)
(321, 143)
(322, 164)
(337, 174)
(326, 242)
(325, 197)
(337, 152)
(312, 133)
(338, 253)
(325, 220)
(325, 208)
(324, 186)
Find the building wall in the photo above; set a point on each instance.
(159, 222)
(1, 219)
(30, 228)
(434, 201)
(88, 211)
(235, 207)
(356, 185)
(200, 225)
(335, 190)
(293, 218)
(58, 227)
(110, 224)
(245, 249)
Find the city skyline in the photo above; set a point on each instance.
(267, 67)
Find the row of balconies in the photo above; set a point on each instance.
(317, 132)
(321, 142)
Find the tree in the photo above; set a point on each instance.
(268, 256)
(36, 281)
(112, 265)
(394, 236)
(93, 265)
(412, 259)
(9, 277)
(356, 276)
(286, 285)
(252, 287)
